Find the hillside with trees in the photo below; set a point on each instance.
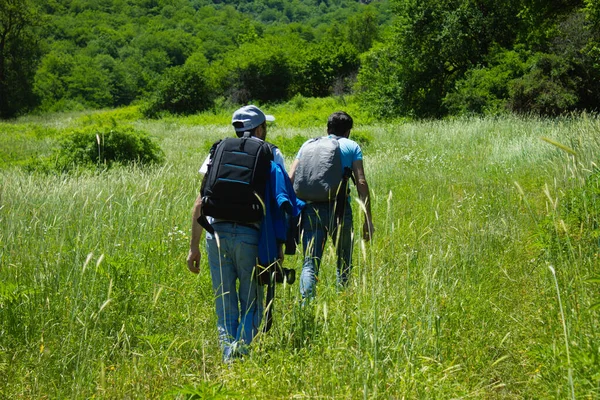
(404, 58)
(178, 55)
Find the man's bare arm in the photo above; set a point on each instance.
(362, 187)
(292, 172)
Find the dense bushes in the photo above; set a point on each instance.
(259, 70)
(458, 57)
(269, 69)
(548, 87)
(105, 146)
(485, 90)
(182, 90)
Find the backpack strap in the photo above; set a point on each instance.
(205, 224)
(341, 199)
(202, 218)
(349, 174)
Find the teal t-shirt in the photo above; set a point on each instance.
(349, 149)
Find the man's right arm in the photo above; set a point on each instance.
(362, 187)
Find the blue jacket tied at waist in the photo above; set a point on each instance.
(281, 205)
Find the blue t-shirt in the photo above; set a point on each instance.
(349, 149)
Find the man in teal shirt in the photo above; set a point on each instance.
(318, 220)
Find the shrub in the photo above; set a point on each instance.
(485, 90)
(259, 71)
(547, 89)
(106, 146)
(182, 90)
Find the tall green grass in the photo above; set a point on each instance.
(454, 297)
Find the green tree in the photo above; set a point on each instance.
(434, 43)
(50, 82)
(485, 90)
(79, 80)
(381, 86)
(260, 70)
(320, 66)
(19, 53)
(183, 89)
(363, 30)
(559, 80)
(548, 88)
(89, 83)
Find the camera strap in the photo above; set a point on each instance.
(269, 304)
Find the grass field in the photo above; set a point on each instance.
(482, 281)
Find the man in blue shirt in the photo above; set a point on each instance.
(318, 220)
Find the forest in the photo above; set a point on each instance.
(399, 58)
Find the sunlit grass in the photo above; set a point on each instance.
(453, 297)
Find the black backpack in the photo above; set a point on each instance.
(233, 189)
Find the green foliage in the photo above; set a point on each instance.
(275, 69)
(257, 71)
(548, 88)
(440, 57)
(105, 146)
(434, 44)
(19, 53)
(288, 145)
(592, 10)
(380, 88)
(462, 57)
(118, 52)
(97, 82)
(182, 90)
(485, 90)
(323, 69)
(363, 30)
(525, 82)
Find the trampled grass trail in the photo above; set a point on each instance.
(482, 280)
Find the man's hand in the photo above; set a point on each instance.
(368, 230)
(193, 261)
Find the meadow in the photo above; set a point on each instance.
(482, 280)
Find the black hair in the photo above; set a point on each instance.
(339, 123)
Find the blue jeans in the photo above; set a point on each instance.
(317, 222)
(232, 256)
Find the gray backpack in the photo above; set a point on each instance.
(319, 171)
